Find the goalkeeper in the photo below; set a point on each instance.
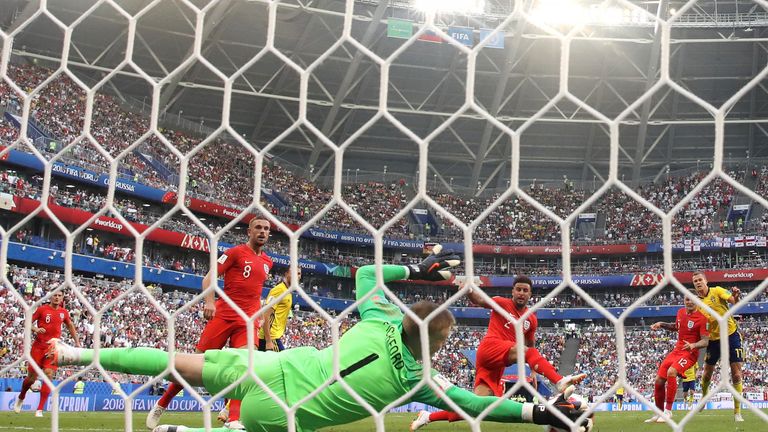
(378, 358)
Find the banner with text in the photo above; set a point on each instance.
(83, 175)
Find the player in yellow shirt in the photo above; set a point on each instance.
(276, 315)
(620, 397)
(689, 384)
(719, 300)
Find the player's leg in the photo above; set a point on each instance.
(135, 361)
(736, 354)
(671, 388)
(711, 359)
(239, 339)
(25, 386)
(37, 353)
(214, 336)
(660, 388)
(261, 413)
(45, 390)
(541, 365)
(487, 383)
(491, 360)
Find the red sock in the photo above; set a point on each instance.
(671, 391)
(449, 416)
(170, 393)
(540, 365)
(25, 385)
(234, 410)
(658, 394)
(45, 391)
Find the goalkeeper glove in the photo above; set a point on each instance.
(572, 409)
(436, 266)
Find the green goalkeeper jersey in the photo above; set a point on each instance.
(375, 363)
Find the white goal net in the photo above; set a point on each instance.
(174, 122)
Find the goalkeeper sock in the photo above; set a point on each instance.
(170, 393)
(45, 391)
(445, 416)
(538, 363)
(659, 395)
(136, 361)
(737, 404)
(671, 392)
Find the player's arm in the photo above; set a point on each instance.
(702, 343)
(703, 335)
(209, 307)
(225, 261)
(72, 330)
(666, 326)
(734, 296)
(476, 298)
(435, 267)
(35, 318)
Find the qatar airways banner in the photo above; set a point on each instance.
(83, 175)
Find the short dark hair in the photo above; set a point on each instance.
(523, 279)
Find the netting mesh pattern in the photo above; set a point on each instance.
(89, 140)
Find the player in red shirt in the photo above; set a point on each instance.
(498, 350)
(245, 268)
(48, 318)
(692, 334)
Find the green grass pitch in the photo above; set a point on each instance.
(707, 421)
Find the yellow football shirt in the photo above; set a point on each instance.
(620, 391)
(281, 311)
(717, 299)
(690, 374)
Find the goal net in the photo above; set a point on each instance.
(553, 138)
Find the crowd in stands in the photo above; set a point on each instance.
(646, 348)
(120, 304)
(219, 172)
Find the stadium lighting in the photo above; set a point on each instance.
(569, 12)
(468, 7)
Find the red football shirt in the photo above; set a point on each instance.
(244, 275)
(690, 328)
(51, 320)
(500, 328)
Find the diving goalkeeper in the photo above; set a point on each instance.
(378, 359)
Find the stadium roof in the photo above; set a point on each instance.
(715, 49)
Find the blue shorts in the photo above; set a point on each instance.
(278, 343)
(735, 351)
(689, 386)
